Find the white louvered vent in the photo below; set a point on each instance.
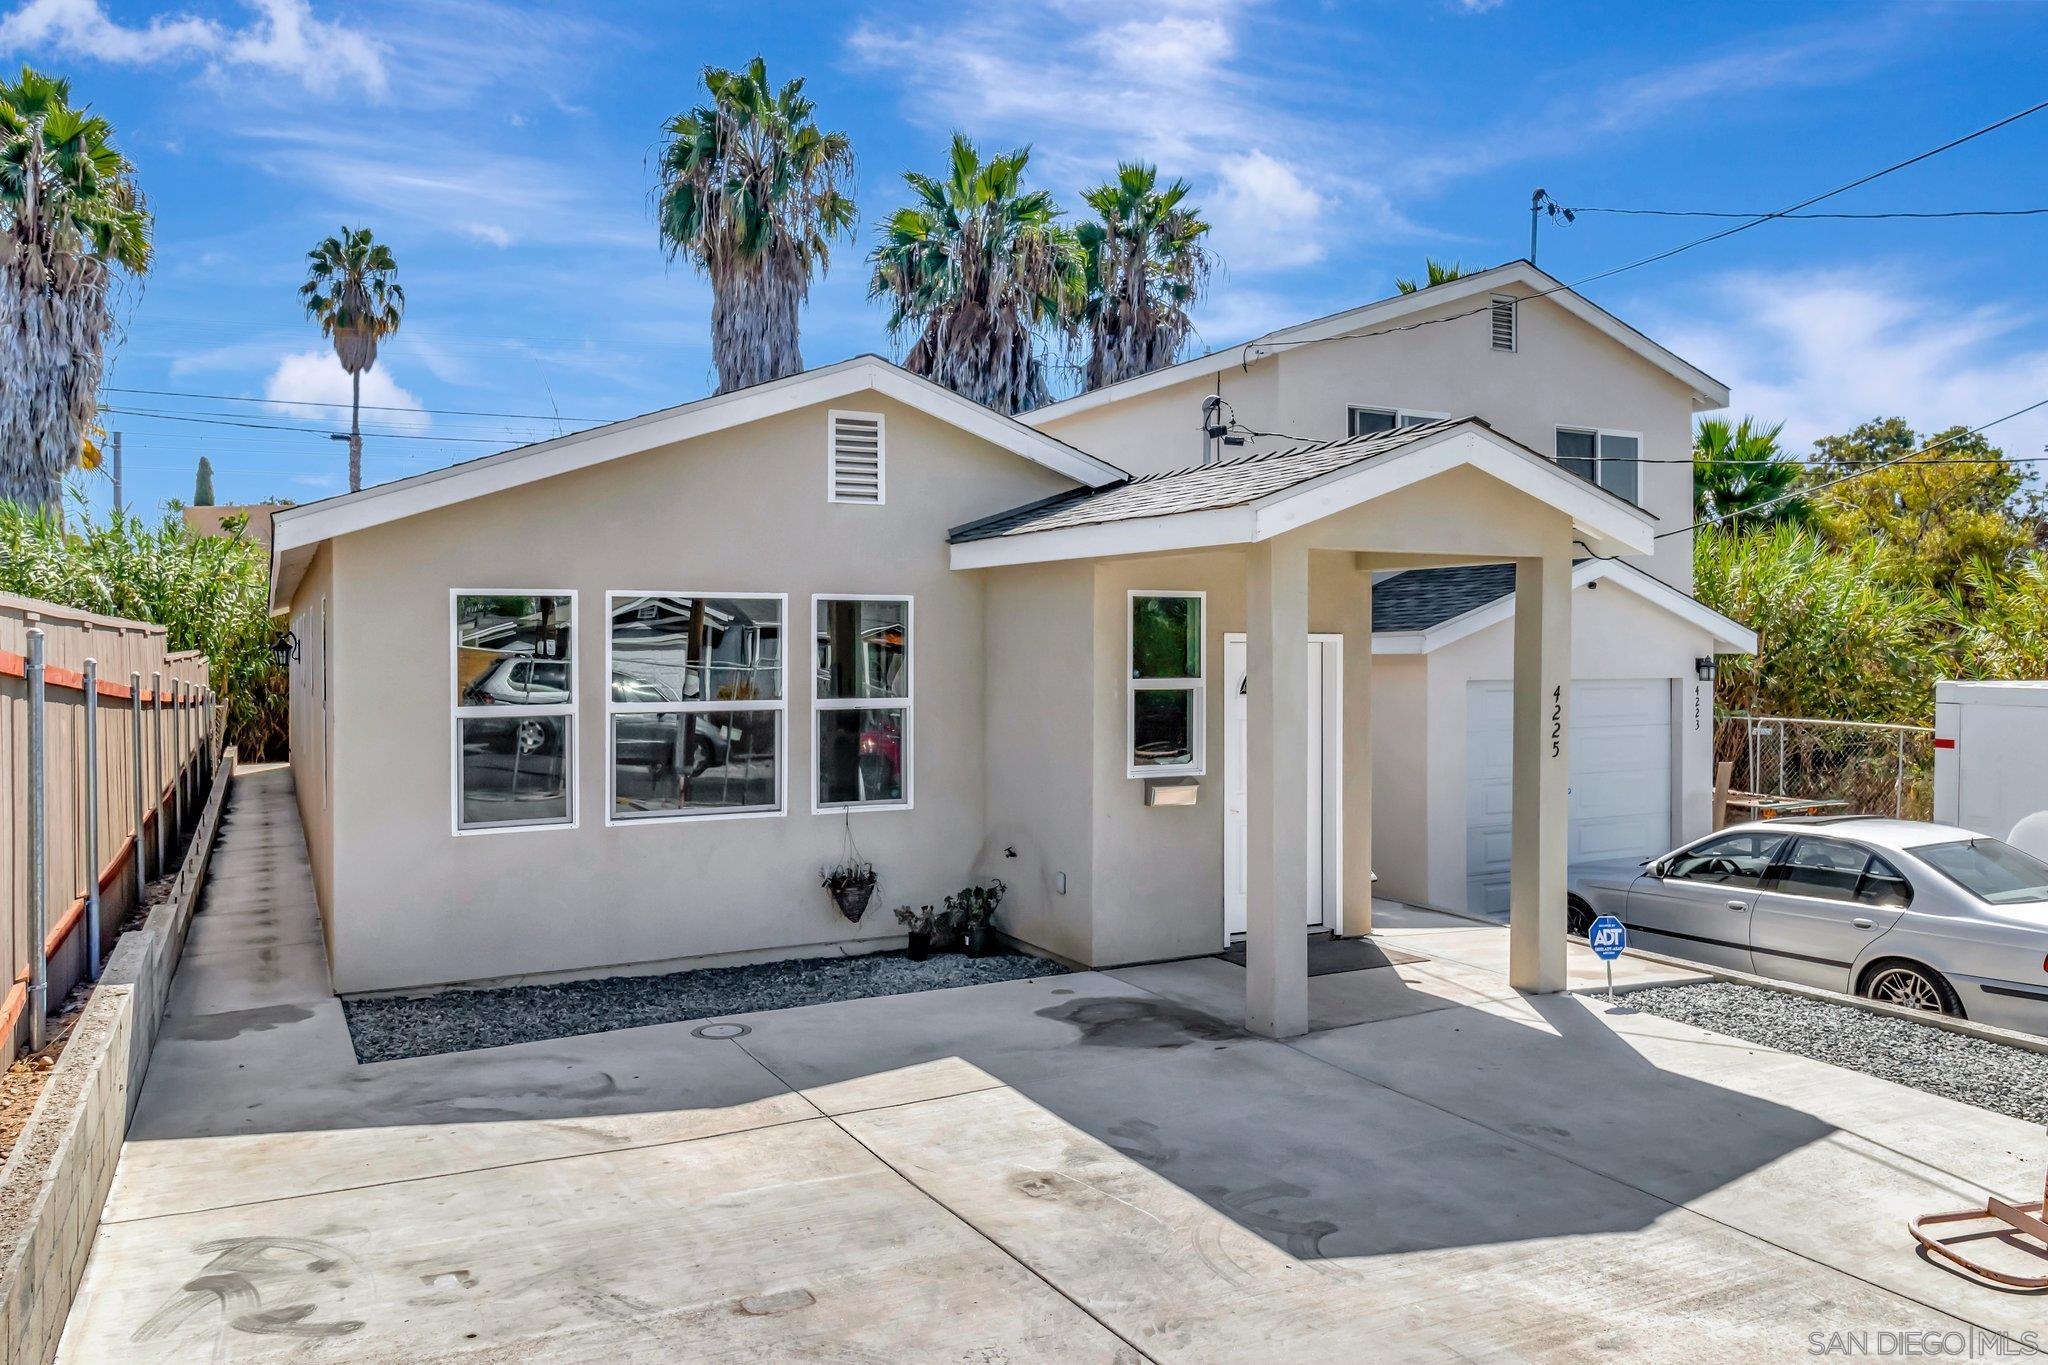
(1503, 324)
(856, 457)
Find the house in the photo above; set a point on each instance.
(212, 520)
(613, 700)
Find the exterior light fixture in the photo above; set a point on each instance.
(284, 650)
(1704, 666)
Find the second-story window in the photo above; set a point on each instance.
(1365, 421)
(1612, 459)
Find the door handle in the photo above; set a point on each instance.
(1862, 923)
(1738, 905)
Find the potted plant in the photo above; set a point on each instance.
(973, 909)
(851, 884)
(919, 924)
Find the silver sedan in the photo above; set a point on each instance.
(1927, 916)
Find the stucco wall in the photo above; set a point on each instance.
(1401, 774)
(740, 511)
(307, 726)
(1615, 634)
(1563, 373)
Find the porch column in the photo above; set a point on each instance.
(1276, 772)
(1358, 793)
(1542, 767)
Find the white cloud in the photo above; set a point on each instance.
(317, 377)
(282, 36)
(1826, 351)
(1264, 208)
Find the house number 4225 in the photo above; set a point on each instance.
(1556, 718)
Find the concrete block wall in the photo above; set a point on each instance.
(55, 1182)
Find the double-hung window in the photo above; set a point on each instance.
(696, 704)
(1611, 459)
(1166, 713)
(861, 673)
(515, 708)
(1366, 421)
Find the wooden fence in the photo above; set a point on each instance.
(124, 765)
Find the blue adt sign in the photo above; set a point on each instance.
(1608, 937)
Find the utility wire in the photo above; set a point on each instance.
(303, 431)
(1667, 254)
(1719, 213)
(366, 407)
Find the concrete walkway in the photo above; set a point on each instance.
(1096, 1166)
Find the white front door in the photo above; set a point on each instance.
(1325, 769)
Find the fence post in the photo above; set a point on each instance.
(92, 818)
(179, 697)
(38, 847)
(135, 745)
(1899, 783)
(156, 786)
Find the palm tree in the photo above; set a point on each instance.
(1436, 273)
(971, 271)
(750, 192)
(1145, 264)
(1737, 467)
(352, 291)
(71, 218)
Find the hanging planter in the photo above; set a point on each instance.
(851, 881)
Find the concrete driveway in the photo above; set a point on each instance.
(1095, 1166)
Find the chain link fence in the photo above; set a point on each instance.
(1845, 767)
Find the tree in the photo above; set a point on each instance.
(352, 291)
(750, 192)
(1836, 637)
(202, 485)
(72, 221)
(1962, 503)
(1742, 477)
(1144, 263)
(1435, 273)
(972, 271)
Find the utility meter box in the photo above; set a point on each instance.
(1990, 754)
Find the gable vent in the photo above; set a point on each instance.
(856, 457)
(1503, 324)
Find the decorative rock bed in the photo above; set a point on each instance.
(387, 1028)
(2005, 1080)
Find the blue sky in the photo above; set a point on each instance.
(503, 150)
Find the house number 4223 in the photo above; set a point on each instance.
(1556, 718)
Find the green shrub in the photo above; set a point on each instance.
(211, 593)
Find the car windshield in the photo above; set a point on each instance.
(1989, 870)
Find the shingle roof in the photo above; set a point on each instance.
(1202, 488)
(1418, 599)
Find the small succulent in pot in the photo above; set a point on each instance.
(973, 910)
(852, 885)
(918, 924)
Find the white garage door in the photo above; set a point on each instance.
(1620, 778)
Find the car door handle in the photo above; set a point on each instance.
(1862, 923)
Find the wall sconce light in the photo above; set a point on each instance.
(1704, 666)
(284, 650)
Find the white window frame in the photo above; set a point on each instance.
(612, 818)
(820, 705)
(881, 421)
(1402, 416)
(571, 741)
(1600, 435)
(1133, 685)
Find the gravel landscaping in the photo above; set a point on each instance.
(387, 1028)
(2005, 1080)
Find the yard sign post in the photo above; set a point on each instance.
(1608, 937)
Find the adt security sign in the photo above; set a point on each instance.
(1609, 939)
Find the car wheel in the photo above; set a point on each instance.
(700, 758)
(532, 736)
(1578, 917)
(1910, 986)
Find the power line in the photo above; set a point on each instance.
(1667, 254)
(1856, 474)
(366, 407)
(303, 431)
(1721, 213)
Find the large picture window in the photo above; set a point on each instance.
(860, 666)
(515, 709)
(695, 705)
(1167, 714)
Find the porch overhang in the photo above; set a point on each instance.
(1728, 636)
(1248, 501)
